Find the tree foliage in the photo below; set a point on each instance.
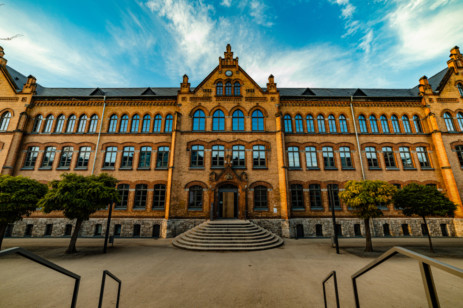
(365, 197)
(424, 201)
(79, 197)
(18, 197)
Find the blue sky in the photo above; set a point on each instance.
(304, 43)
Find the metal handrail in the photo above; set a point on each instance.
(108, 273)
(332, 274)
(31, 256)
(425, 264)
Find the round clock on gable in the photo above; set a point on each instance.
(228, 73)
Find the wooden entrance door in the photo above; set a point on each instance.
(227, 206)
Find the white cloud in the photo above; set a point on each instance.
(366, 41)
(226, 3)
(258, 10)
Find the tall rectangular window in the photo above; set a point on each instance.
(423, 157)
(328, 157)
(127, 157)
(297, 197)
(406, 157)
(293, 157)
(258, 156)
(315, 193)
(66, 157)
(145, 157)
(110, 157)
(459, 150)
(238, 156)
(195, 198)
(123, 190)
(372, 158)
(84, 157)
(218, 156)
(311, 157)
(48, 157)
(163, 157)
(31, 157)
(333, 196)
(197, 156)
(140, 196)
(260, 198)
(389, 159)
(159, 196)
(346, 160)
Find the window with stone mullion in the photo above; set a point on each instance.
(315, 194)
(48, 157)
(423, 157)
(84, 157)
(127, 157)
(293, 157)
(163, 157)
(31, 157)
(238, 156)
(66, 157)
(406, 157)
(140, 196)
(389, 159)
(195, 200)
(297, 197)
(346, 160)
(372, 158)
(123, 190)
(328, 157)
(197, 156)
(159, 196)
(145, 157)
(218, 156)
(258, 156)
(311, 157)
(110, 157)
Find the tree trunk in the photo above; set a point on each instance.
(72, 243)
(2, 233)
(429, 235)
(369, 244)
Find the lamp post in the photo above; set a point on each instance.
(331, 196)
(107, 227)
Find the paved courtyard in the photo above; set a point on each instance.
(154, 273)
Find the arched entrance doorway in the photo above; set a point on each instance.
(227, 201)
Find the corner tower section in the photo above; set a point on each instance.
(229, 149)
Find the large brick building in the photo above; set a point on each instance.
(231, 148)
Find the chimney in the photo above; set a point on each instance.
(2, 59)
(185, 85)
(271, 85)
(30, 86)
(425, 87)
(456, 59)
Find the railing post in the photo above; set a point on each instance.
(356, 293)
(429, 286)
(100, 302)
(336, 289)
(335, 281)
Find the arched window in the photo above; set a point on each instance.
(460, 120)
(219, 89)
(157, 123)
(135, 123)
(417, 124)
(406, 124)
(449, 122)
(37, 124)
(343, 124)
(238, 120)
(299, 126)
(257, 121)
(112, 124)
(168, 124)
(146, 123)
(71, 124)
(260, 198)
(288, 124)
(93, 124)
(199, 120)
(460, 89)
(332, 123)
(373, 124)
(384, 124)
(195, 198)
(48, 123)
(82, 124)
(5, 120)
(124, 124)
(59, 124)
(218, 120)
(237, 88)
(363, 124)
(395, 124)
(310, 124)
(321, 124)
(228, 89)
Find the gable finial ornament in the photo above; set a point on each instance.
(228, 60)
(185, 85)
(425, 87)
(2, 59)
(271, 85)
(456, 59)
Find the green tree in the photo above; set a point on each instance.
(423, 201)
(18, 197)
(79, 197)
(365, 197)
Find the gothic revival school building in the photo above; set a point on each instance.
(230, 148)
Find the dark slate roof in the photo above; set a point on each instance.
(434, 81)
(339, 92)
(110, 92)
(18, 78)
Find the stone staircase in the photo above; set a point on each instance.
(238, 235)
